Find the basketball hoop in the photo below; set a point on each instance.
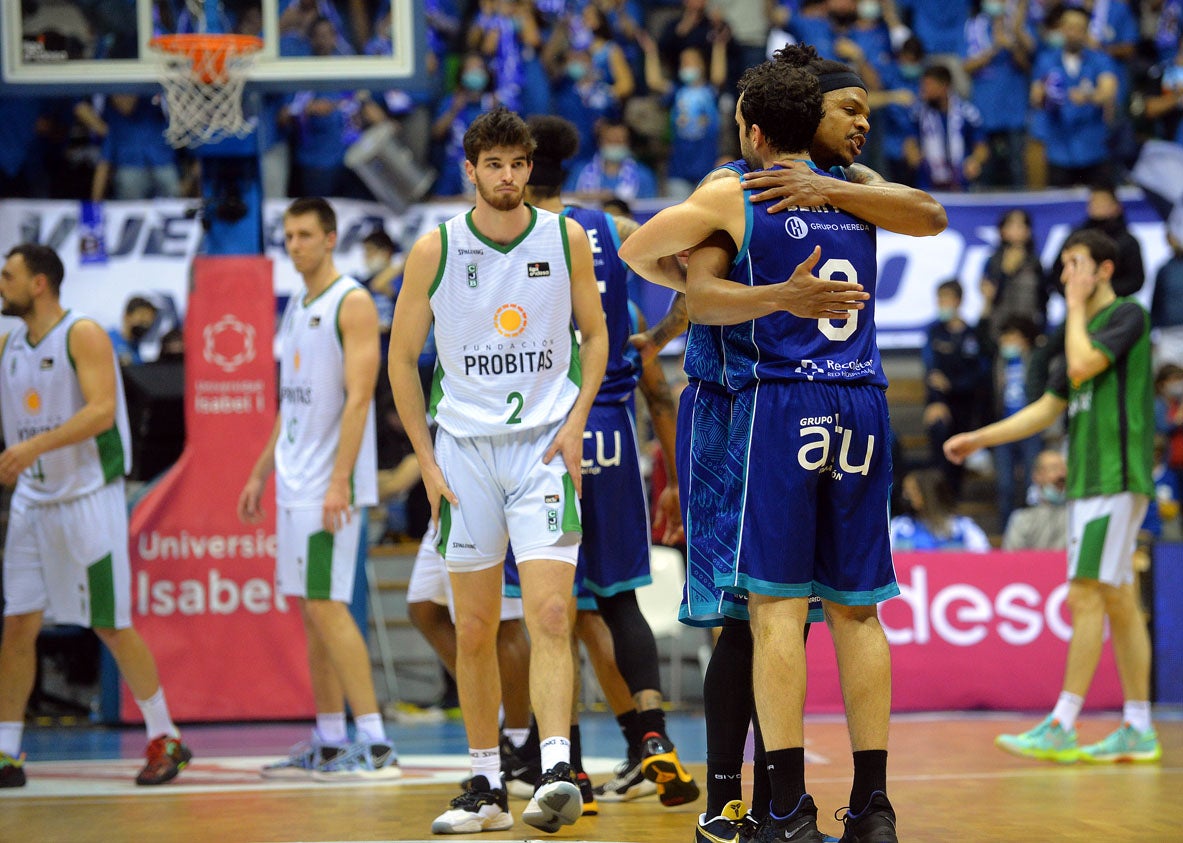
(203, 77)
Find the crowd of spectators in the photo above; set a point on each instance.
(966, 95)
(651, 87)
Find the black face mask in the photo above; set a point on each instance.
(138, 332)
(844, 18)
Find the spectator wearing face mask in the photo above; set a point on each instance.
(1074, 90)
(613, 171)
(1044, 524)
(947, 148)
(472, 97)
(694, 111)
(139, 315)
(1013, 460)
(584, 96)
(999, 46)
(383, 278)
(932, 523)
(892, 109)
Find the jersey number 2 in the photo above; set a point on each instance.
(518, 401)
(838, 332)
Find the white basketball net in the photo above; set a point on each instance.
(203, 93)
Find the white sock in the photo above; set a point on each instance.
(517, 737)
(487, 763)
(555, 750)
(1137, 714)
(10, 738)
(156, 719)
(370, 728)
(330, 728)
(1067, 709)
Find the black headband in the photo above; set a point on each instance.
(840, 79)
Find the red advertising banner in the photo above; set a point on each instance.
(203, 593)
(971, 631)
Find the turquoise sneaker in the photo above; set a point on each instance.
(1048, 741)
(1126, 745)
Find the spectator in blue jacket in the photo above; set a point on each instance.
(947, 148)
(931, 522)
(694, 111)
(998, 53)
(472, 97)
(613, 171)
(1075, 88)
(144, 165)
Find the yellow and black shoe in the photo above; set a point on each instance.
(590, 806)
(660, 765)
(12, 770)
(733, 825)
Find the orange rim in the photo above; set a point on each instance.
(197, 45)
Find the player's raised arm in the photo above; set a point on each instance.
(865, 193)
(715, 206)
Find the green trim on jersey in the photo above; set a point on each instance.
(439, 272)
(445, 532)
(337, 320)
(307, 302)
(566, 242)
(111, 457)
(571, 522)
(100, 583)
(1111, 419)
(53, 328)
(437, 389)
(575, 369)
(319, 571)
(1092, 549)
(503, 249)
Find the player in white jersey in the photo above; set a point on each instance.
(323, 452)
(65, 424)
(511, 398)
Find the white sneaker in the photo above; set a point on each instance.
(557, 801)
(360, 762)
(302, 760)
(479, 808)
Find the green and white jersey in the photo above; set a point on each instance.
(311, 401)
(1111, 416)
(507, 356)
(39, 391)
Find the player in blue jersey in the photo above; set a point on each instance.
(614, 556)
(765, 367)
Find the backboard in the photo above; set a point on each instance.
(89, 46)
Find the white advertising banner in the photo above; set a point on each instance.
(150, 246)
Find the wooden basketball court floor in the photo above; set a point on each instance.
(948, 782)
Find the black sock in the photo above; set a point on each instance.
(786, 774)
(652, 720)
(576, 749)
(724, 783)
(761, 786)
(870, 775)
(727, 708)
(530, 751)
(630, 727)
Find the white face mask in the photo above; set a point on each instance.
(376, 264)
